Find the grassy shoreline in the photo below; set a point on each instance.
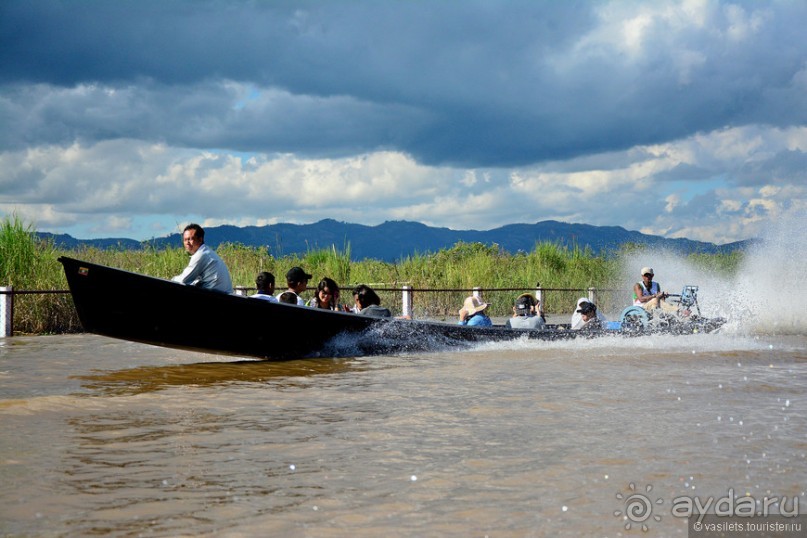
(29, 264)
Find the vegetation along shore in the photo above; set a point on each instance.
(26, 263)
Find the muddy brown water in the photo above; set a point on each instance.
(108, 438)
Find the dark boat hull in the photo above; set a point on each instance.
(130, 306)
(135, 307)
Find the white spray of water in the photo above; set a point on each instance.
(673, 272)
(768, 295)
(771, 290)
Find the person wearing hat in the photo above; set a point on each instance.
(473, 313)
(648, 294)
(588, 318)
(526, 314)
(297, 282)
(576, 316)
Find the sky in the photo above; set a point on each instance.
(131, 118)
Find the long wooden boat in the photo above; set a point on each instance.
(140, 308)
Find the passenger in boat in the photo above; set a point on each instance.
(526, 314)
(205, 269)
(297, 282)
(368, 303)
(265, 282)
(472, 313)
(588, 318)
(648, 294)
(576, 316)
(327, 296)
(288, 297)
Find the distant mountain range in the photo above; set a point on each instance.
(394, 240)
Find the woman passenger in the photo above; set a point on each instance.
(326, 296)
(368, 303)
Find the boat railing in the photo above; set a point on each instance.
(416, 302)
(410, 301)
(7, 295)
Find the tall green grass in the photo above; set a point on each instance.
(18, 252)
(29, 264)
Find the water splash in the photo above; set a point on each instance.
(673, 272)
(771, 283)
(397, 336)
(767, 295)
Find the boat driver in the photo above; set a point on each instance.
(648, 294)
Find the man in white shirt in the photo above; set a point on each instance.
(297, 282)
(205, 269)
(265, 282)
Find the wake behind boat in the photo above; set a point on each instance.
(130, 306)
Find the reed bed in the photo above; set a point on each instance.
(29, 264)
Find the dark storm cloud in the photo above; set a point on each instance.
(202, 116)
(465, 83)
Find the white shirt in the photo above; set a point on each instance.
(206, 270)
(264, 296)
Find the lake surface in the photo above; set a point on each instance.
(108, 438)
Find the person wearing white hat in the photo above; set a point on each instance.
(473, 312)
(588, 318)
(648, 294)
(577, 316)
